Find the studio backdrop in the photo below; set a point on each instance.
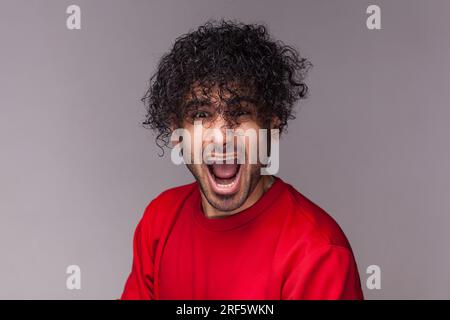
(77, 168)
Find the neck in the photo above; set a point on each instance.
(261, 187)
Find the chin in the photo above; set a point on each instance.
(226, 188)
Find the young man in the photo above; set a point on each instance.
(235, 233)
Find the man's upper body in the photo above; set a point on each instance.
(282, 247)
(223, 95)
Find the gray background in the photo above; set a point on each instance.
(370, 146)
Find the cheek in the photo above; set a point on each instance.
(198, 170)
(189, 139)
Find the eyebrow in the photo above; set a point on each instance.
(196, 102)
(239, 99)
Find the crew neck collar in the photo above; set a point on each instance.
(238, 219)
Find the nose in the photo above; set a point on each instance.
(221, 124)
(219, 134)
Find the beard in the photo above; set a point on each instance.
(244, 182)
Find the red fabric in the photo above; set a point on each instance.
(283, 247)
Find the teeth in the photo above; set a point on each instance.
(227, 185)
(221, 160)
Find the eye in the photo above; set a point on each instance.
(242, 113)
(200, 114)
(197, 115)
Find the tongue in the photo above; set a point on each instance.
(225, 171)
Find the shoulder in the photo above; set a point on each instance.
(309, 225)
(313, 247)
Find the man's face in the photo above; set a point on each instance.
(226, 186)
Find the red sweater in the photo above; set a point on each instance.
(282, 247)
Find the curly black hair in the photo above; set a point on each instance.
(220, 53)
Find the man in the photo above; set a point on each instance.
(235, 233)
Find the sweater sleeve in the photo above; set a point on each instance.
(328, 273)
(140, 284)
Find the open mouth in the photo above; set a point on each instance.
(224, 178)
